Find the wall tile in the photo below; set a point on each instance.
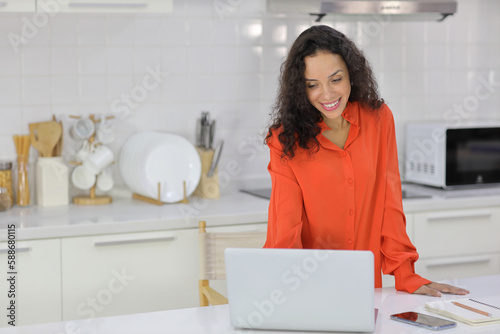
(64, 60)
(65, 90)
(174, 60)
(92, 30)
(63, 29)
(11, 62)
(93, 60)
(35, 61)
(11, 90)
(36, 90)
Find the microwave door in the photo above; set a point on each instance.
(473, 156)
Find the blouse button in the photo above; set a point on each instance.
(351, 212)
(344, 153)
(349, 242)
(349, 181)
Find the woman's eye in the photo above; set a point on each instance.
(311, 86)
(336, 80)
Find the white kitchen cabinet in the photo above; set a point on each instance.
(38, 282)
(18, 6)
(105, 6)
(457, 243)
(129, 273)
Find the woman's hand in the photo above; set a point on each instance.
(434, 289)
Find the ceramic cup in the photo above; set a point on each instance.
(82, 129)
(105, 132)
(82, 178)
(98, 160)
(105, 181)
(84, 151)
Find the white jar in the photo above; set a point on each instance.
(51, 181)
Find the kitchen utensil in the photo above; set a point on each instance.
(82, 178)
(198, 132)
(150, 158)
(22, 143)
(98, 160)
(83, 129)
(45, 136)
(57, 152)
(215, 159)
(211, 135)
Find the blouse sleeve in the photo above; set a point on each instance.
(399, 254)
(286, 205)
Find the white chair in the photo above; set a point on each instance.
(212, 267)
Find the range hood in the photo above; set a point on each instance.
(425, 10)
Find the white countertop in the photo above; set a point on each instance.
(126, 215)
(215, 319)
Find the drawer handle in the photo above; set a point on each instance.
(464, 260)
(107, 5)
(18, 250)
(467, 215)
(132, 241)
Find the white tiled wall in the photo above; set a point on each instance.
(227, 63)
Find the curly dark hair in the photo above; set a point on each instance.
(292, 111)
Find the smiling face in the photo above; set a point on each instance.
(327, 83)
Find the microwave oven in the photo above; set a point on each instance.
(446, 156)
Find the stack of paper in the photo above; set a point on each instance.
(475, 312)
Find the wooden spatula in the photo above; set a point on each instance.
(44, 136)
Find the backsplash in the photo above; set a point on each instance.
(159, 72)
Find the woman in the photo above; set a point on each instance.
(334, 167)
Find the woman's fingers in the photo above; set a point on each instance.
(435, 289)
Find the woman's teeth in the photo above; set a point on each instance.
(331, 104)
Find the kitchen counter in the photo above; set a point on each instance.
(215, 319)
(126, 215)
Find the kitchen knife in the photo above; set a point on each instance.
(212, 135)
(215, 159)
(198, 132)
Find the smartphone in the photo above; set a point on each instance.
(424, 320)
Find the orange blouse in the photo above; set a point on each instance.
(345, 198)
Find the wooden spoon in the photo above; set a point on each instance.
(44, 136)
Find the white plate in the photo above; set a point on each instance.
(148, 158)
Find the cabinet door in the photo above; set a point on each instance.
(459, 267)
(18, 6)
(129, 273)
(37, 282)
(106, 6)
(439, 234)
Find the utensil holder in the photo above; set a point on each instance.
(51, 181)
(209, 186)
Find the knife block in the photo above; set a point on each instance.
(208, 186)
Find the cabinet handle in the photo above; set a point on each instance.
(18, 250)
(132, 241)
(107, 5)
(466, 215)
(463, 260)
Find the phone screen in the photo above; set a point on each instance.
(423, 320)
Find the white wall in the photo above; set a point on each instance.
(227, 63)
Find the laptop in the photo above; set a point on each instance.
(300, 289)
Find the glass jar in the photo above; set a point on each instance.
(6, 178)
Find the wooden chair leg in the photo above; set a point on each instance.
(203, 299)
